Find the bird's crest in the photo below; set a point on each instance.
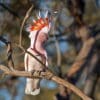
(39, 23)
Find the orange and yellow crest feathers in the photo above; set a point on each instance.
(39, 24)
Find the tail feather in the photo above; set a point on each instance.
(32, 86)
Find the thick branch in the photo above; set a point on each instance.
(81, 58)
(88, 43)
(47, 74)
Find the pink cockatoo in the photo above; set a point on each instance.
(38, 36)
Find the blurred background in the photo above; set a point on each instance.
(75, 23)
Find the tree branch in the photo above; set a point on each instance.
(23, 22)
(9, 10)
(47, 75)
(88, 43)
(9, 52)
(81, 58)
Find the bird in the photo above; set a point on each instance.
(38, 35)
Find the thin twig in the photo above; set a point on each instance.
(9, 52)
(23, 22)
(25, 51)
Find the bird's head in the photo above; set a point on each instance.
(41, 24)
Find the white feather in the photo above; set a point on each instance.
(28, 29)
(34, 20)
(39, 15)
(46, 14)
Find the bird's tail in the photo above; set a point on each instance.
(32, 86)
